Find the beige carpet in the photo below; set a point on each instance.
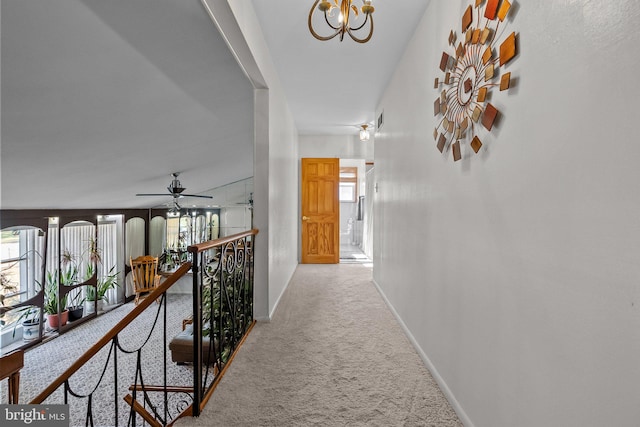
(333, 355)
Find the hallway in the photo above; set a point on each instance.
(333, 355)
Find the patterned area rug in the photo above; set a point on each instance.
(333, 355)
(47, 361)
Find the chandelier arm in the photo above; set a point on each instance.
(363, 24)
(316, 35)
(323, 38)
(326, 18)
(365, 39)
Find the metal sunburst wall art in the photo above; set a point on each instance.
(471, 70)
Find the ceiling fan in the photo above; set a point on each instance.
(175, 190)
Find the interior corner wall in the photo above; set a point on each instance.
(276, 178)
(516, 271)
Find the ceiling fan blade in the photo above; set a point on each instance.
(196, 195)
(154, 194)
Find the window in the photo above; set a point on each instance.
(348, 184)
(10, 274)
(20, 270)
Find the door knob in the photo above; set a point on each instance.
(305, 218)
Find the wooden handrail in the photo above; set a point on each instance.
(154, 295)
(141, 410)
(221, 241)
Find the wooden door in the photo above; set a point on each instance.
(320, 211)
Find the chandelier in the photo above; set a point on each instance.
(339, 18)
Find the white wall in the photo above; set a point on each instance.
(276, 156)
(517, 270)
(234, 220)
(336, 146)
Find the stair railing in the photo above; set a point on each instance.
(154, 413)
(223, 272)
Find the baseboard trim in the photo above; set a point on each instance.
(434, 372)
(267, 319)
(284, 289)
(275, 306)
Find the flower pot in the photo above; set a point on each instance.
(75, 313)
(56, 321)
(90, 307)
(30, 330)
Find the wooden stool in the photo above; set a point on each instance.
(10, 365)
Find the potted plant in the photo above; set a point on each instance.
(76, 306)
(28, 316)
(99, 293)
(76, 299)
(69, 277)
(51, 304)
(90, 298)
(30, 320)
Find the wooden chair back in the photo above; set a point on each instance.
(10, 366)
(144, 272)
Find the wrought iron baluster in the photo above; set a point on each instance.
(89, 419)
(115, 378)
(165, 347)
(197, 335)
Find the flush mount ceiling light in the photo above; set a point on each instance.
(339, 19)
(364, 133)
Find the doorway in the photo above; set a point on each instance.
(354, 215)
(336, 214)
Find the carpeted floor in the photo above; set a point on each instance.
(333, 355)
